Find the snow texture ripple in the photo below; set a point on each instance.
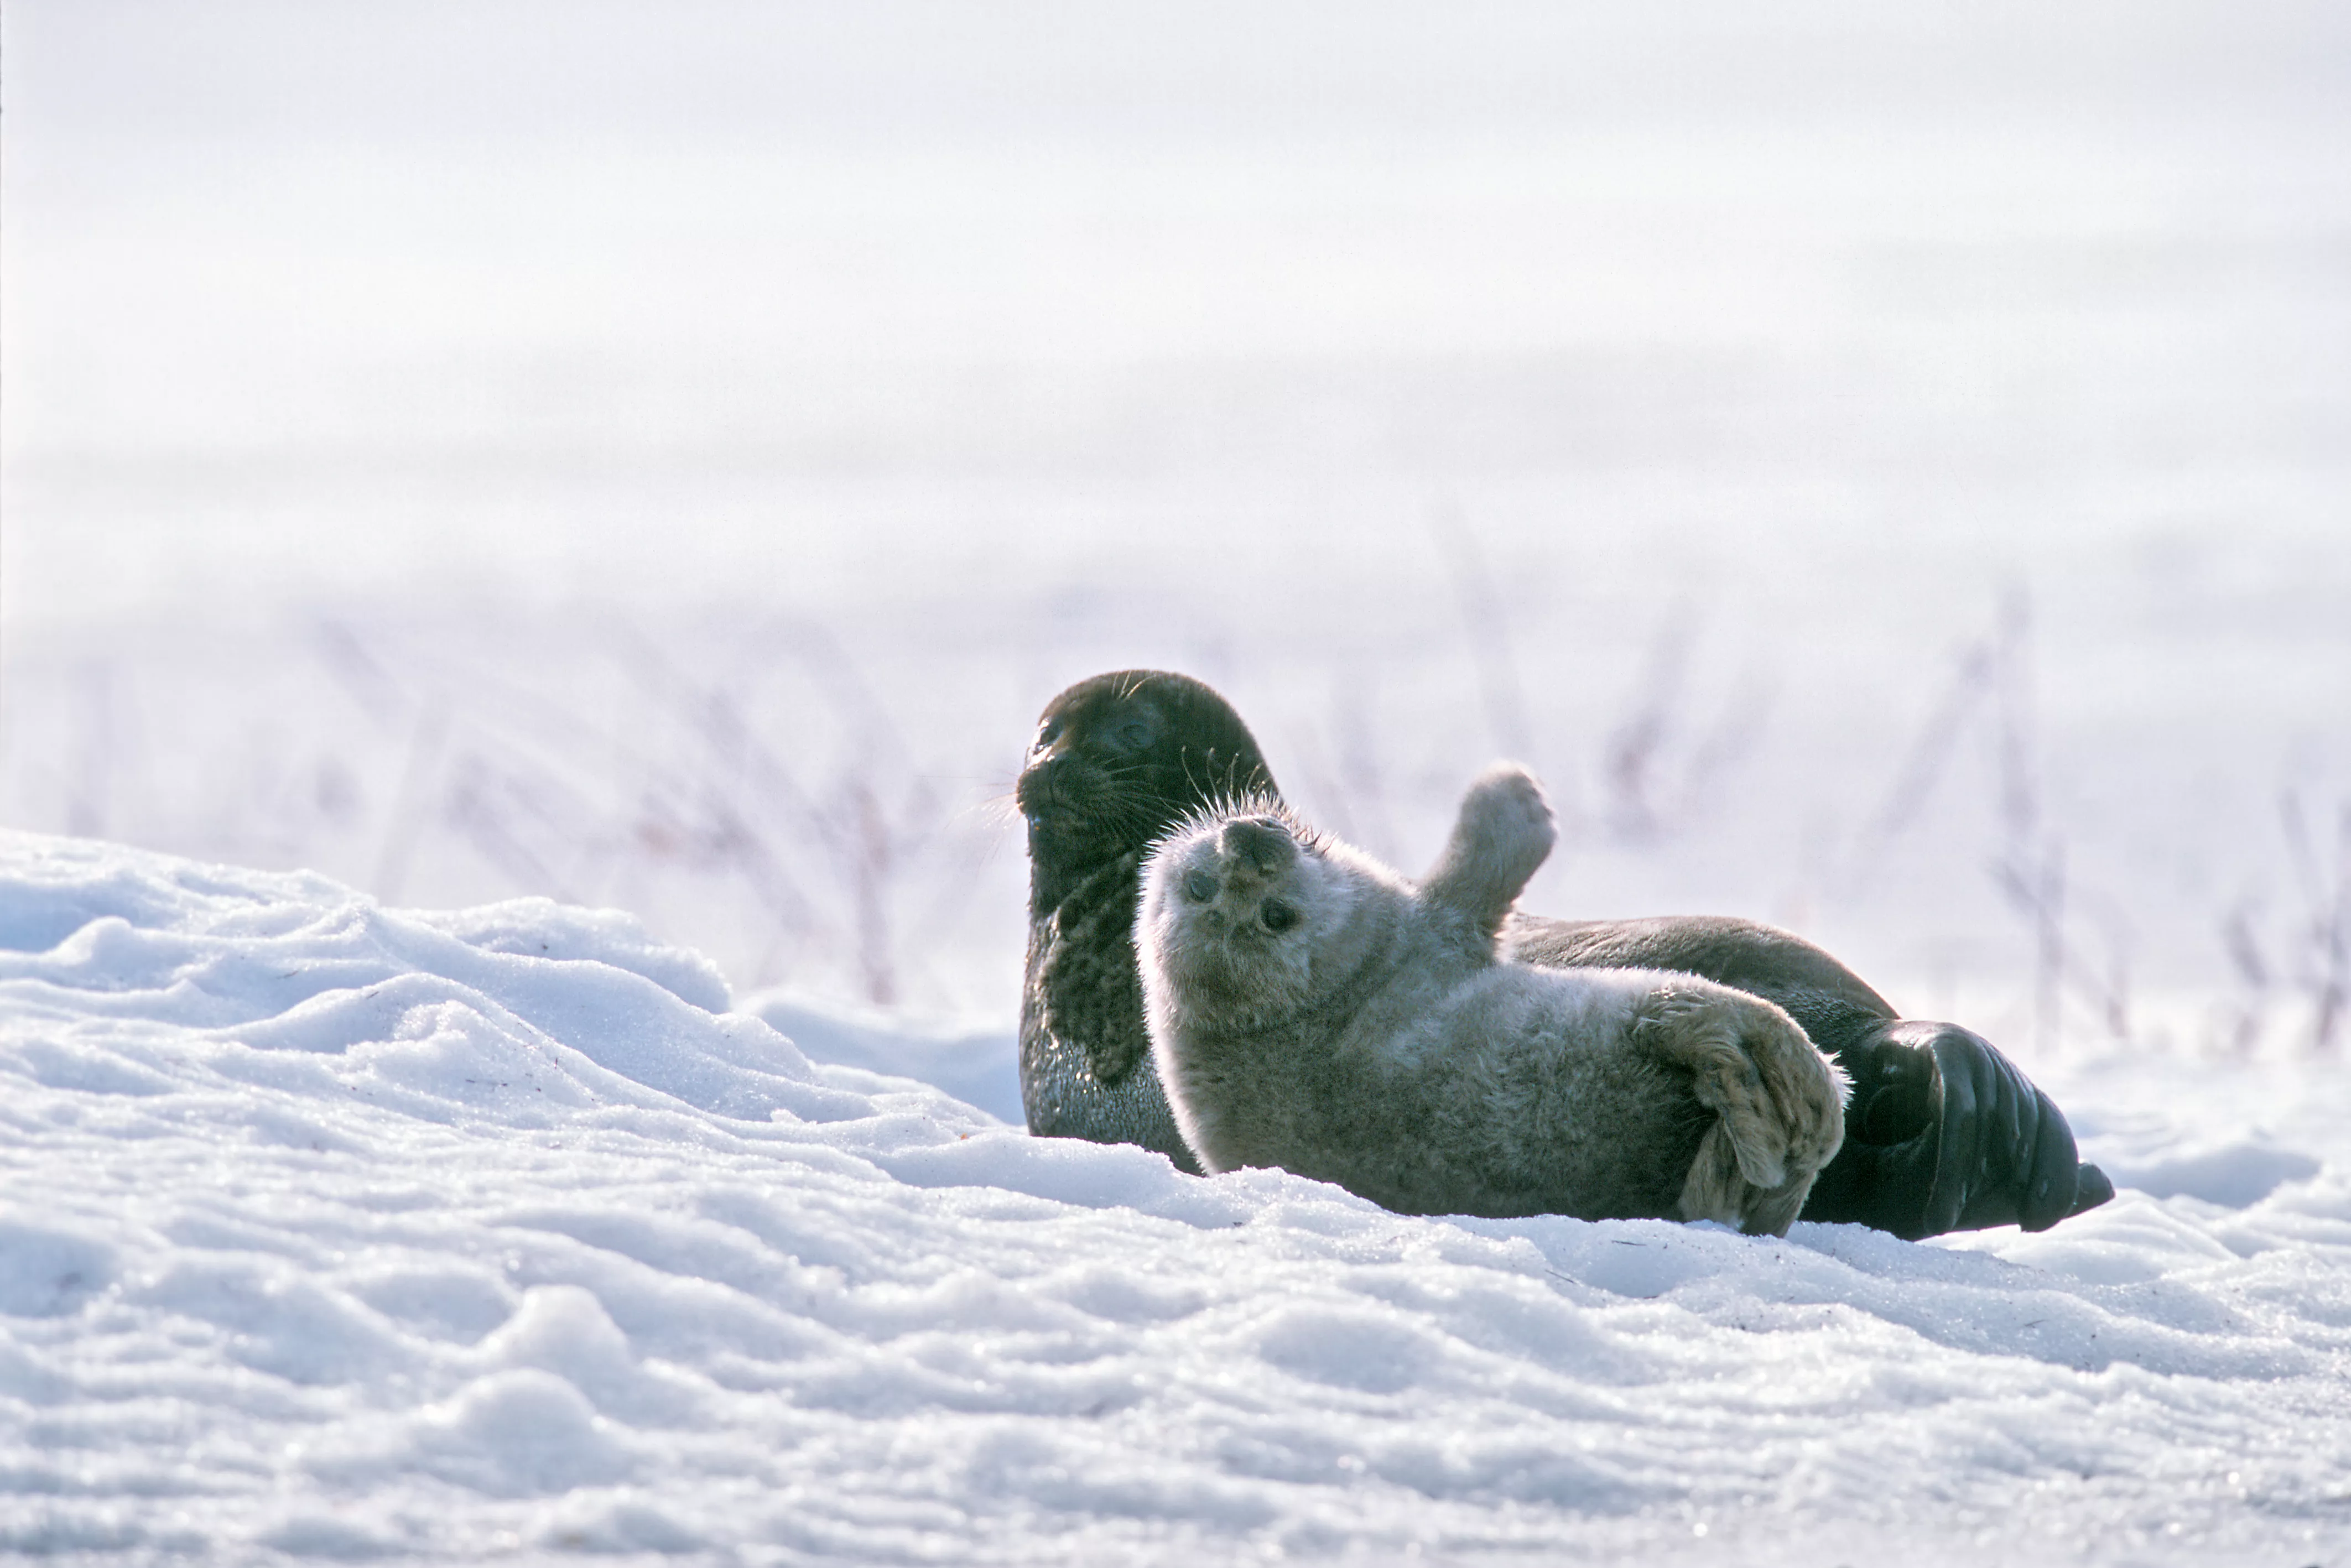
(334, 1232)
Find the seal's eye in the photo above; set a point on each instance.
(1137, 730)
(1200, 887)
(1278, 917)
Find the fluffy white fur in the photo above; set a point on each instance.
(1312, 1009)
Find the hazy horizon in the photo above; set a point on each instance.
(420, 423)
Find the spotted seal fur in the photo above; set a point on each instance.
(1116, 761)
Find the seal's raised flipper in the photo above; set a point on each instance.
(1505, 830)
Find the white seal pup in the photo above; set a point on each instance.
(1308, 1008)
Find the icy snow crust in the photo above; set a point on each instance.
(338, 1232)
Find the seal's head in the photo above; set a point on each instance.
(1119, 759)
(1236, 908)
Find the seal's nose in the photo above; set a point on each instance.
(1043, 789)
(1260, 842)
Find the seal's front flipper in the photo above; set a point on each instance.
(1505, 830)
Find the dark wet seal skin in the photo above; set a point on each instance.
(1942, 1132)
(1116, 761)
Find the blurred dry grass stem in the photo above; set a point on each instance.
(750, 788)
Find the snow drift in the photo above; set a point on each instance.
(337, 1232)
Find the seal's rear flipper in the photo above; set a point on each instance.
(1778, 1103)
(1505, 830)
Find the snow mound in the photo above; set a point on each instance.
(978, 1065)
(338, 1232)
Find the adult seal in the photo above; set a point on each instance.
(1942, 1131)
(1116, 762)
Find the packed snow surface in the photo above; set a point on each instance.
(341, 1232)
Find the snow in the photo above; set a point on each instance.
(339, 1232)
(980, 1066)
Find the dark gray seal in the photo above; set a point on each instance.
(1117, 761)
(1942, 1132)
